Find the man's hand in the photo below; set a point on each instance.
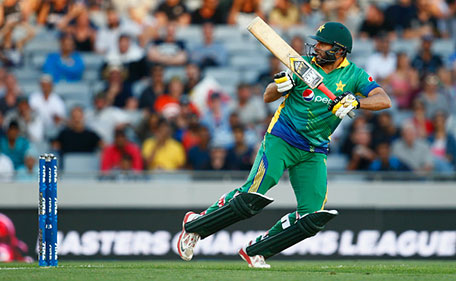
(284, 81)
(343, 104)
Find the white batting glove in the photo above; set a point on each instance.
(343, 104)
(284, 81)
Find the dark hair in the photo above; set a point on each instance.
(13, 124)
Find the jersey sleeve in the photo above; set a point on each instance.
(365, 83)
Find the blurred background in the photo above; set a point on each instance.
(154, 107)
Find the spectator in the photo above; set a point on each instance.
(428, 14)
(130, 56)
(155, 88)
(423, 125)
(118, 91)
(210, 53)
(426, 61)
(243, 11)
(250, 108)
(275, 66)
(210, 11)
(172, 11)
(346, 12)
(139, 25)
(448, 87)
(148, 126)
(115, 157)
(163, 152)
(104, 119)
(10, 10)
(66, 65)
(48, 105)
(374, 23)
(216, 119)
(432, 97)
(11, 47)
(107, 37)
(443, 145)
(403, 82)
(284, 14)
(188, 113)
(6, 168)
(199, 157)
(14, 145)
(168, 51)
(385, 161)
(77, 23)
(361, 155)
(298, 44)
(218, 159)
(384, 130)
(169, 105)
(382, 63)
(30, 123)
(400, 16)
(3, 74)
(75, 137)
(193, 77)
(189, 135)
(240, 155)
(51, 12)
(413, 152)
(12, 92)
(27, 172)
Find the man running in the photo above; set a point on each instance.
(297, 139)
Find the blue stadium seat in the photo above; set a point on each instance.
(225, 76)
(81, 163)
(172, 71)
(74, 94)
(410, 47)
(92, 61)
(245, 62)
(336, 162)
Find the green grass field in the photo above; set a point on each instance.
(218, 271)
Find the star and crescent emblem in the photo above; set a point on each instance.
(340, 86)
(321, 28)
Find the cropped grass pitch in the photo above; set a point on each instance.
(233, 270)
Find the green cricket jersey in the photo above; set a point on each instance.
(303, 119)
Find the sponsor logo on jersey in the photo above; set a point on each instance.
(370, 79)
(308, 95)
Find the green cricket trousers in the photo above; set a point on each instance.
(307, 172)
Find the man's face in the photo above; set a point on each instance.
(46, 87)
(112, 19)
(120, 140)
(320, 50)
(12, 133)
(67, 44)
(124, 44)
(77, 116)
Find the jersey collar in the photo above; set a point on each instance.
(343, 64)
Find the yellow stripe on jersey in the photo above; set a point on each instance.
(258, 177)
(276, 115)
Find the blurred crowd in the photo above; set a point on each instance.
(138, 119)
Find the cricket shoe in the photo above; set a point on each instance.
(254, 261)
(187, 241)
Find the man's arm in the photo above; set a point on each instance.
(271, 94)
(377, 99)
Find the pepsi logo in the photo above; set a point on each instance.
(308, 95)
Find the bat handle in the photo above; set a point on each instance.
(330, 95)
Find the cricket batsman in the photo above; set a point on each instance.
(297, 139)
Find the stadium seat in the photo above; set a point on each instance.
(336, 162)
(410, 47)
(29, 87)
(92, 61)
(26, 75)
(225, 76)
(363, 48)
(227, 33)
(191, 33)
(81, 163)
(74, 94)
(444, 47)
(170, 72)
(246, 62)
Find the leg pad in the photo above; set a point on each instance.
(305, 227)
(242, 206)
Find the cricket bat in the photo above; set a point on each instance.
(288, 56)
